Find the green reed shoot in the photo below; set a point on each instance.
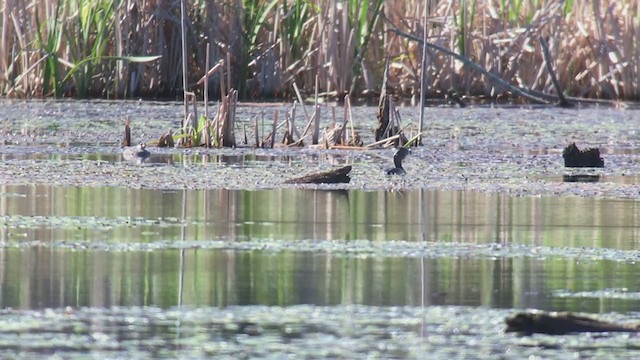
(49, 37)
(293, 23)
(88, 37)
(365, 29)
(256, 14)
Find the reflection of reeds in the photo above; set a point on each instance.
(61, 47)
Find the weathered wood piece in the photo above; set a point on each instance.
(555, 323)
(574, 157)
(127, 133)
(336, 176)
(166, 140)
(383, 107)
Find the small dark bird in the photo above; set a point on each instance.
(397, 162)
(136, 153)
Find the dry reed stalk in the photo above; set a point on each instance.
(316, 123)
(595, 46)
(183, 35)
(385, 141)
(211, 71)
(293, 129)
(353, 131)
(346, 110)
(301, 101)
(228, 125)
(271, 135)
(275, 126)
(194, 102)
(245, 136)
(423, 73)
(257, 130)
(206, 134)
(127, 132)
(206, 86)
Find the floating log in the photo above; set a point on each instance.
(560, 323)
(574, 157)
(336, 176)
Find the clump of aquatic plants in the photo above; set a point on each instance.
(62, 47)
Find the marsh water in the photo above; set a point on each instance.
(108, 259)
(211, 251)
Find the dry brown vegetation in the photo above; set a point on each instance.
(79, 47)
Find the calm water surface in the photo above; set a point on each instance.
(83, 249)
(76, 275)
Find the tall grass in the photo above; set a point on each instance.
(80, 47)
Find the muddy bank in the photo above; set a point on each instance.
(516, 150)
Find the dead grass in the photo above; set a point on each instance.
(594, 46)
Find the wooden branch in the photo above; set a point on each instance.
(492, 77)
(554, 79)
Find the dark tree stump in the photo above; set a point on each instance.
(340, 175)
(574, 157)
(561, 323)
(127, 134)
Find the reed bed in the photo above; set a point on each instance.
(88, 48)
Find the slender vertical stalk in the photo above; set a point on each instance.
(273, 130)
(183, 21)
(206, 83)
(316, 124)
(423, 75)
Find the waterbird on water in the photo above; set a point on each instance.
(397, 162)
(137, 153)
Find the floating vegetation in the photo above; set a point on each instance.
(305, 331)
(358, 248)
(615, 293)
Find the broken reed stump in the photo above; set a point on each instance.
(574, 157)
(561, 323)
(383, 107)
(336, 176)
(127, 133)
(166, 140)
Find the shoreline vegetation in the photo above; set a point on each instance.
(123, 50)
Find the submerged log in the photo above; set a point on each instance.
(340, 175)
(574, 157)
(555, 323)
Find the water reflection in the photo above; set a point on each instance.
(581, 178)
(45, 278)
(161, 156)
(51, 213)
(35, 277)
